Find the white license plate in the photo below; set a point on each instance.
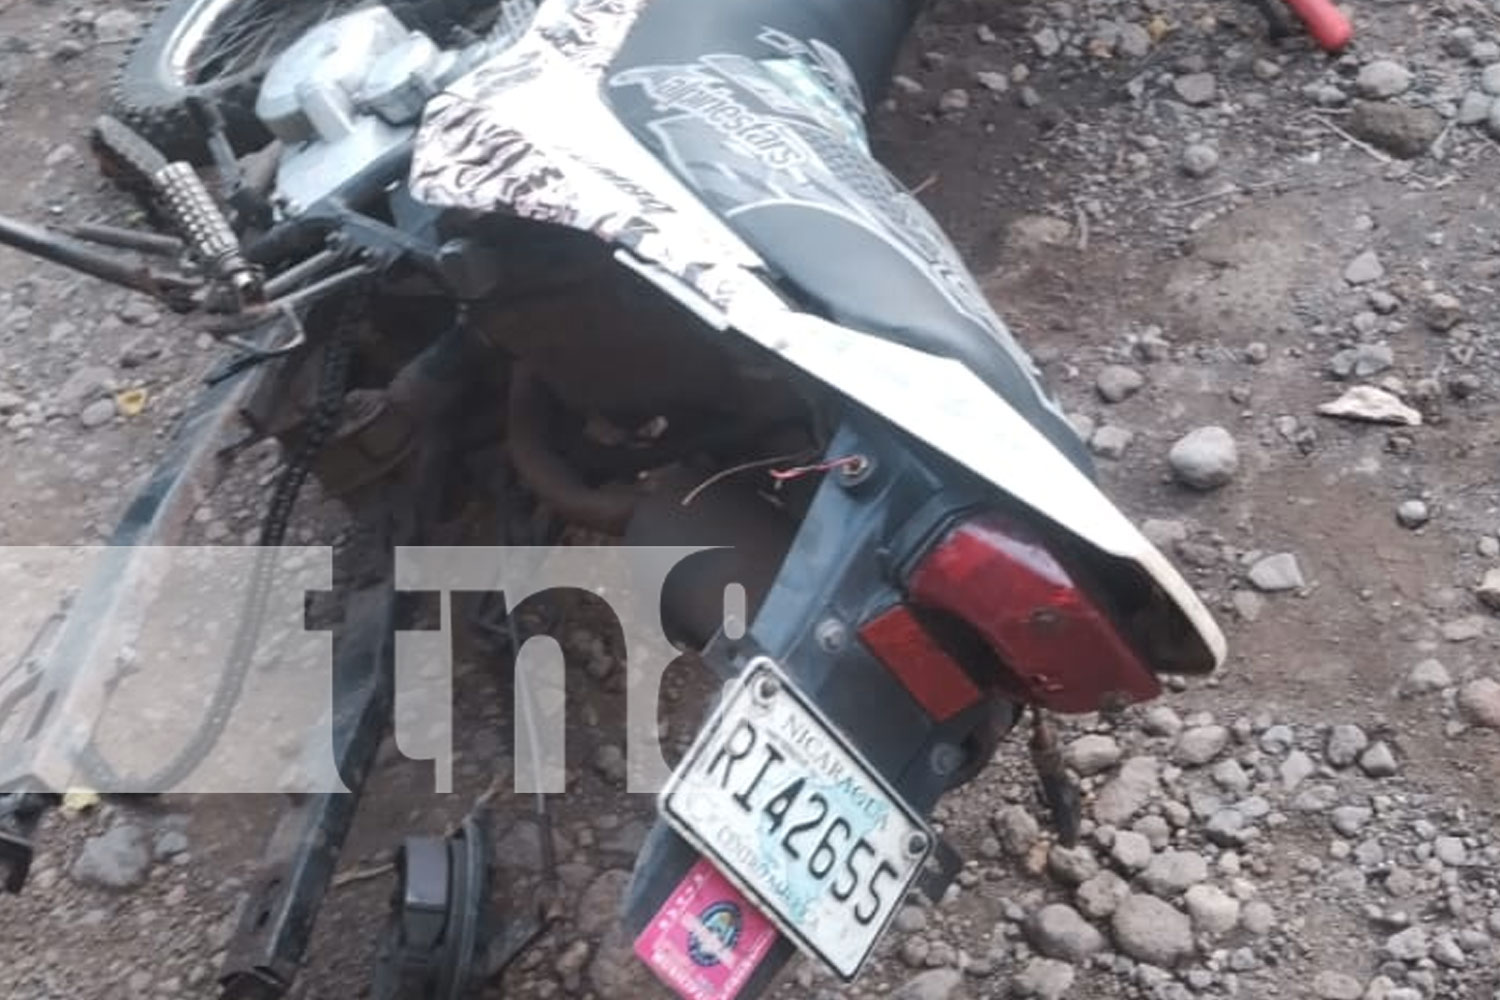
(788, 811)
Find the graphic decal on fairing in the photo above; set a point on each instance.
(731, 124)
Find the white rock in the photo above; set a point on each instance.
(1199, 745)
(1337, 986)
(1091, 754)
(1213, 911)
(1099, 896)
(1426, 677)
(1364, 269)
(1345, 744)
(1173, 872)
(1277, 573)
(1378, 761)
(1045, 979)
(1413, 514)
(1162, 720)
(1199, 160)
(1488, 590)
(1151, 931)
(1058, 931)
(1128, 792)
(1479, 701)
(1489, 80)
(1297, 768)
(1117, 383)
(1383, 78)
(1131, 850)
(1367, 403)
(1205, 459)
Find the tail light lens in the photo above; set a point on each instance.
(1058, 647)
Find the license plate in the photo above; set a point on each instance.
(773, 794)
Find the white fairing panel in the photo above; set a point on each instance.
(529, 133)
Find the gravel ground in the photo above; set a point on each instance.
(1262, 281)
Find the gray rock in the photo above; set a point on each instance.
(1277, 573)
(1450, 851)
(114, 25)
(1364, 269)
(995, 83)
(1045, 979)
(1200, 745)
(1442, 312)
(1228, 828)
(1199, 160)
(1162, 720)
(1111, 441)
(1128, 792)
(118, 859)
(1173, 872)
(910, 920)
(1362, 361)
(1156, 830)
(1317, 798)
(1410, 945)
(1277, 739)
(1117, 383)
(1258, 917)
(1072, 865)
(1091, 754)
(1479, 701)
(1489, 80)
(1205, 459)
(1474, 108)
(169, 844)
(1426, 677)
(1017, 830)
(83, 387)
(1099, 896)
(1399, 129)
(1214, 912)
(1196, 88)
(1492, 123)
(937, 984)
(1383, 78)
(954, 101)
(1058, 931)
(1297, 768)
(1131, 850)
(1337, 986)
(1413, 514)
(609, 761)
(1047, 43)
(1446, 952)
(1378, 761)
(1151, 931)
(1230, 776)
(1488, 590)
(1349, 820)
(97, 413)
(1345, 744)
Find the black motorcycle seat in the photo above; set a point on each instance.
(758, 106)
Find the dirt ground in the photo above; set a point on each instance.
(1063, 173)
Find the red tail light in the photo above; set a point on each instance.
(1058, 647)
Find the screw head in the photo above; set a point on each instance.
(767, 688)
(916, 844)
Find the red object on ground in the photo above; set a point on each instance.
(1325, 22)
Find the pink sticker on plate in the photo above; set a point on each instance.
(707, 939)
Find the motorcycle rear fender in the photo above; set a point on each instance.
(495, 143)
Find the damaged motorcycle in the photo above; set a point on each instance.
(630, 267)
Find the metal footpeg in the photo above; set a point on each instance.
(208, 233)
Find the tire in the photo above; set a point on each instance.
(155, 83)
